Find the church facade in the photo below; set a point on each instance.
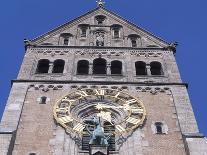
(99, 66)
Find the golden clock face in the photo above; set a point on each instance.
(115, 109)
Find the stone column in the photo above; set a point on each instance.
(108, 69)
(90, 71)
(50, 67)
(148, 69)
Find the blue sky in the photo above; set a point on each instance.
(184, 21)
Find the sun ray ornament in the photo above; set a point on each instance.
(100, 3)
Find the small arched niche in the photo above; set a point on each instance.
(116, 31)
(134, 40)
(100, 19)
(65, 39)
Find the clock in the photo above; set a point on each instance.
(116, 109)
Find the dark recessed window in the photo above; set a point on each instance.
(66, 41)
(116, 67)
(43, 66)
(100, 19)
(83, 67)
(140, 68)
(156, 68)
(159, 127)
(134, 43)
(99, 66)
(43, 100)
(58, 66)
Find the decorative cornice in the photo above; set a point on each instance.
(97, 82)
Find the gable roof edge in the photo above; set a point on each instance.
(43, 36)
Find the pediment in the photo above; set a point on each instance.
(90, 19)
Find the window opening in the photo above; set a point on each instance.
(99, 66)
(159, 127)
(58, 66)
(83, 67)
(43, 100)
(116, 67)
(156, 68)
(43, 66)
(140, 68)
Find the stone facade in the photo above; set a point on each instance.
(28, 126)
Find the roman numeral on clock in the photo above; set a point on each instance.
(82, 94)
(120, 128)
(79, 127)
(66, 119)
(100, 92)
(137, 110)
(133, 120)
(62, 110)
(131, 101)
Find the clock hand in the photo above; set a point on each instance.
(101, 106)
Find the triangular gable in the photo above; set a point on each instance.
(100, 10)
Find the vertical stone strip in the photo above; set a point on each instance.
(11, 116)
(184, 110)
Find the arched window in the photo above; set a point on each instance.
(159, 127)
(43, 66)
(83, 29)
(134, 42)
(99, 66)
(100, 19)
(65, 39)
(116, 30)
(134, 39)
(58, 66)
(43, 100)
(140, 68)
(156, 68)
(116, 67)
(108, 129)
(83, 67)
